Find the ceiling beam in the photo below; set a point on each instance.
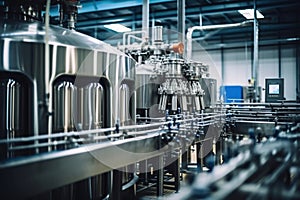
(227, 18)
(104, 5)
(205, 11)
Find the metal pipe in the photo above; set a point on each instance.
(131, 182)
(133, 37)
(279, 61)
(152, 30)
(131, 33)
(47, 59)
(103, 130)
(82, 140)
(222, 65)
(297, 73)
(181, 20)
(38, 145)
(263, 104)
(255, 54)
(95, 138)
(145, 18)
(200, 20)
(47, 69)
(231, 45)
(209, 27)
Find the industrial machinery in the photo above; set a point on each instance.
(68, 108)
(56, 80)
(170, 86)
(260, 164)
(81, 119)
(63, 77)
(165, 80)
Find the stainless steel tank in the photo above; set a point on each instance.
(85, 84)
(80, 88)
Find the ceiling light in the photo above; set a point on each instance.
(249, 14)
(117, 27)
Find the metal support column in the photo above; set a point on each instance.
(255, 53)
(218, 151)
(160, 176)
(143, 165)
(116, 185)
(169, 34)
(222, 64)
(184, 160)
(298, 72)
(279, 61)
(177, 174)
(199, 156)
(106, 184)
(145, 18)
(181, 20)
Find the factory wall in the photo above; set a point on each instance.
(274, 62)
(288, 71)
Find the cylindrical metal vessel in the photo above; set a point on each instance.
(80, 87)
(157, 34)
(61, 100)
(173, 66)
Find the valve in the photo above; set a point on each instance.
(178, 48)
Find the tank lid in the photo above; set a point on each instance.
(35, 32)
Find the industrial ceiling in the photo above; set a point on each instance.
(281, 23)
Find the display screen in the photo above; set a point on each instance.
(274, 89)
